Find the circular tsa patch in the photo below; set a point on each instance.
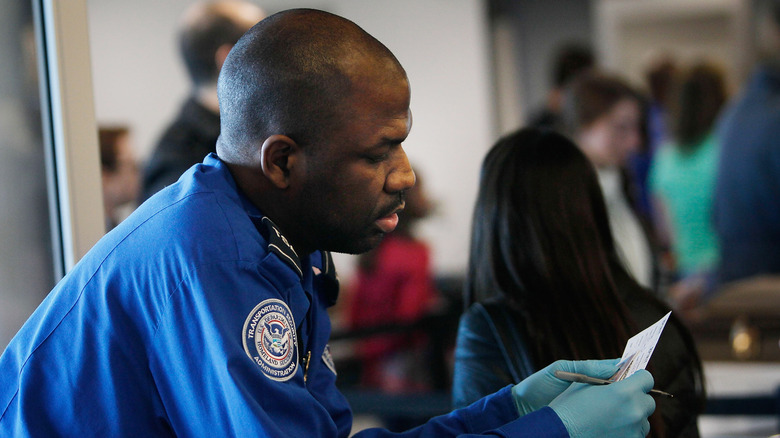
(270, 339)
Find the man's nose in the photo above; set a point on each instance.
(402, 176)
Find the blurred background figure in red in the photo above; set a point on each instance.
(394, 285)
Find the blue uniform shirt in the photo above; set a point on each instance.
(194, 317)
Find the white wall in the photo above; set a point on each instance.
(138, 77)
(539, 29)
(443, 45)
(630, 33)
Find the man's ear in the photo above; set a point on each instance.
(279, 155)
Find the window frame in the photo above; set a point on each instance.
(69, 130)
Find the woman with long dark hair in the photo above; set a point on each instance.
(545, 282)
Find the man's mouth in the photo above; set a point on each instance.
(389, 222)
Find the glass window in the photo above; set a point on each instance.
(26, 260)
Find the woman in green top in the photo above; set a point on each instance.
(682, 181)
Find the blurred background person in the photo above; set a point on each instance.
(603, 115)
(659, 77)
(548, 284)
(394, 284)
(208, 32)
(119, 173)
(570, 60)
(682, 181)
(747, 191)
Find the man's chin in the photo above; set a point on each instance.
(359, 246)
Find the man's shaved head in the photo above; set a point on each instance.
(291, 74)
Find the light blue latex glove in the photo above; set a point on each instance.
(541, 387)
(619, 409)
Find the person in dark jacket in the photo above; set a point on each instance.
(208, 32)
(746, 203)
(543, 258)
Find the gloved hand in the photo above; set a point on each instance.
(619, 409)
(541, 387)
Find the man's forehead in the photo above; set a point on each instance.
(378, 78)
(398, 125)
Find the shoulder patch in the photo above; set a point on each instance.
(279, 245)
(328, 359)
(270, 339)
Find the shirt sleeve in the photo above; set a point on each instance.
(494, 416)
(208, 385)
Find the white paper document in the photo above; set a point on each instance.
(639, 349)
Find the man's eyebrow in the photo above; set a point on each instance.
(390, 141)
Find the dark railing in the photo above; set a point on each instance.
(440, 328)
(745, 405)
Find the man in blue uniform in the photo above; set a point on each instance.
(204, 312)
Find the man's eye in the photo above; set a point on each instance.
(377, 158)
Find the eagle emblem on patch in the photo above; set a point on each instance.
(328, 359)
(270, 339)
